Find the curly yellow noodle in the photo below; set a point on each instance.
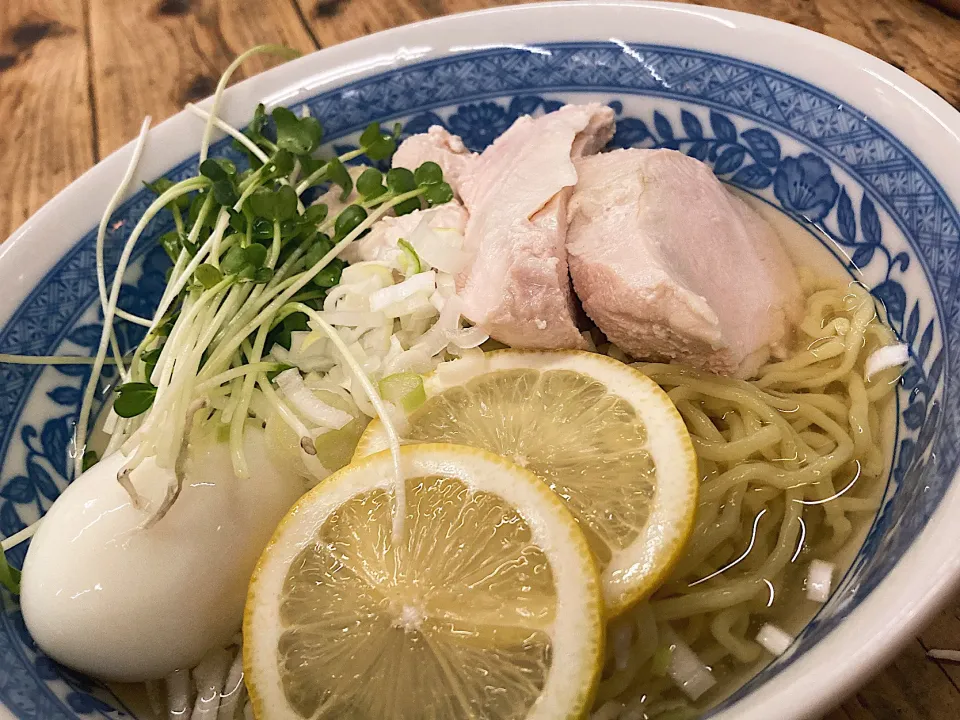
(746, 651)
(791, 464)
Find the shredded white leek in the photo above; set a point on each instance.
(400, 489)
(302, 399)
(441, 248)
(819, 580)
(424, 282)
(885, 358)
(686, 669)
(773, 639)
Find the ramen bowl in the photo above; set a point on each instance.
(823, 133)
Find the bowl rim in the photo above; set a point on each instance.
(925, 575)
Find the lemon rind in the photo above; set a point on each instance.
(571, 681)
(669, 443)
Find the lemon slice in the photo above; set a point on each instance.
(488, 607)
(603, 436)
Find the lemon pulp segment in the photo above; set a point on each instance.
(464, 617)
(605, 438)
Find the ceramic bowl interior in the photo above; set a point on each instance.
(812, 154)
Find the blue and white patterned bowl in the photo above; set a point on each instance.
(816, 128)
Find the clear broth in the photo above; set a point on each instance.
(808, 248)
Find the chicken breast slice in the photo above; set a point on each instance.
(439, 146)
(517, 287)
(381, 242)
(332, 197)
(671, 265)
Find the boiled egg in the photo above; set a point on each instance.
(105, 596)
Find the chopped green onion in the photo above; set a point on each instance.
(411, 257)
(404, 389)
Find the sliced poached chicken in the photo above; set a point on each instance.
(517, 287)
(439, 146)
(670, 265)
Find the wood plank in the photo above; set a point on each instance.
(944, 633)
(915, 37)
(838, 714)
(335, 21)
(47, 137)
(911, 687)
(149, 58)
(912, 35)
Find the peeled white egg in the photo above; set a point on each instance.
(118, 602)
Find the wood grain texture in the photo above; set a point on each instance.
(911, 687)
(334, 21)
(77, 77)
(914, 36)
(149, 58)
(46, 139)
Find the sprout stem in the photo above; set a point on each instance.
(179, 468)
(400, 488)
(237, 372)
(231, 131)
(105, 221)
(87, 404)
(288, 53)
(21, 536)
(295, 284)
(50, 360)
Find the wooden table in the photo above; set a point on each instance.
(77, 77)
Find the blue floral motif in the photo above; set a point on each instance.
(746, 158)
(804, 185)
(749, 144)
(479, 124)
